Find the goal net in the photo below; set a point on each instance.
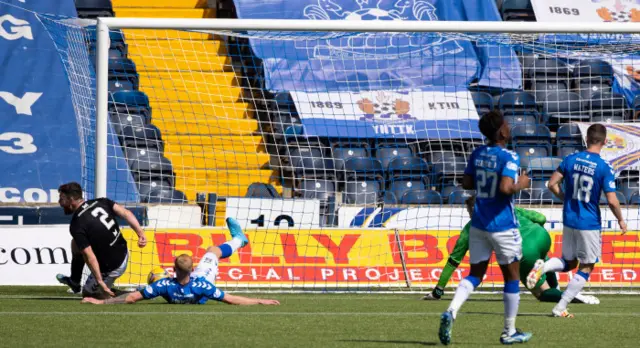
(341, 152)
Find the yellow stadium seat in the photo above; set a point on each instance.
(165, 13)
(159, 3)
(186, 81)
(180, 48)
(245, 143)
(218, 161)
(197, 111)
(164, 34)
(216, 126)
(211, 94)
(178, 62)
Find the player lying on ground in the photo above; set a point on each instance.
(193, 286)
(536, 243)
(586, 175)
(97, 240)
(493, 172)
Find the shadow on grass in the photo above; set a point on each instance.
(391, 342)
(502, 314)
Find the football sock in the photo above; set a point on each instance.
(551, 295)
(554, 265)
(466, 287)
(511, 298)
(446, 274)
(77, 265)
(575, 286)
(230, 247)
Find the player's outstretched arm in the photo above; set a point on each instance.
(614, 205)
(245, 301)
(128, 216)
(92, 262)
(128, 298)
(554, 185)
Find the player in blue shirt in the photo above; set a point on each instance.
(193, 286)
(587, 176)
(493, 172)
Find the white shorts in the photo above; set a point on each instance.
(584, 245)
(207, 268)
(507, 246)
(91, 286)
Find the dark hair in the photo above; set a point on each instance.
(72, 190)
(596, 134)
(490, 123)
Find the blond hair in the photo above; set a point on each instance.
(183, 264)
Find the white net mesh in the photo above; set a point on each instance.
(342, 154)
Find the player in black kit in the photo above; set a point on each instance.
(97, 241)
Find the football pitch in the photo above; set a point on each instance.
(48, 317)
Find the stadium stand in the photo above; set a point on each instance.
(221, 155)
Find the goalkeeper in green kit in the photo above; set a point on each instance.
(536, 243)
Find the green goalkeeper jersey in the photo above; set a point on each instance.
(536, 242)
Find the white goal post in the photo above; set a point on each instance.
(382, 246)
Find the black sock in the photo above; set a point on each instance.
(77, 265)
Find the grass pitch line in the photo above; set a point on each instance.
(327, 314)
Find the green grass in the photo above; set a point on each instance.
(48, 317)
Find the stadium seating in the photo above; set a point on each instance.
(531, 141)
(563, 107)
(343, 152)
(94, 8)
(363, 168)
(606, 107)
(517, 101)
(483, 102)
(400, 186)
(117, 48)
(317, 189)
(635, 198)
(311, 163)
(592, 76)
(362, 192)
(517, 11)
(130, 102)
(147, 137)
(621, 198)
(549, 75)
(427, 197)
(569, 140)
(387, 154)
(262, 190)
(458, 196)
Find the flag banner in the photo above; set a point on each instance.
(440, 114)
(375, 61)
(622, 148)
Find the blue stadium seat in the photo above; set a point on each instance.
(606, 107)
(121, 120)
(123, 75)
(459, 196)
(517, 11)
(563, 107)
(362, 192)
(316, 189)
(543, 166)
(118, 48)
(548, 75)
(145, 163)
(521, 101)
(483, 102)
(387, 154)
(160, 194)
(569, 140)
(400, 186)
(130, 102)
(629, 182)
(592, 76)
(619, 195)
(427, 197)
(390, 198)
(635, 198)
(310, 163)
(447, 168)
(408, 166)
(343, 152)
(531, 141)
(94, 8)
(363, 168)
(262, 190)
(147, 137)
(515, 117)
(281, 121)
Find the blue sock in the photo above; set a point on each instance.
(583, 275)
(473, 280)
(226, 250)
